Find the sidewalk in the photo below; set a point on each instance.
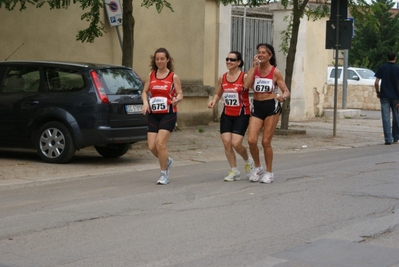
(366, 129)
(192, 145)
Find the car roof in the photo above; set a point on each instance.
(62, 63)
(353, 68)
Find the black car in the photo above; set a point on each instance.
(60, 107)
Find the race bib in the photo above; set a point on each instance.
(263, 85)
(159, 103)
(231, 99)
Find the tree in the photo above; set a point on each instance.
(128, 26)
(300, 8)
(374, 36)
(96, 26)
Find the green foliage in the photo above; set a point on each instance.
(96, 26)
(92, 16)
(159, 4)
(374, 35)
(244, 2)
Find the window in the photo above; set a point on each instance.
(352, 74)
(59, 80)
(332, 75)
(21, 80)
(121, 81)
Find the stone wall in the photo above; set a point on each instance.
(193, 110)
(358, 97)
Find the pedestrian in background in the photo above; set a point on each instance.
(265, 79)
(388, 94)
(235, 115)
(161, 93)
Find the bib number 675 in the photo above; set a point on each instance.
(158, 106)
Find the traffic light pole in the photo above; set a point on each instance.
(337, 46)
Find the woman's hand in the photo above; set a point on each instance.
(175, 101)
(281, 98)
(256, 61)
(211, 104)
(145, 109)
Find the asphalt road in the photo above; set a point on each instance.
(326, 208)
(191, 145)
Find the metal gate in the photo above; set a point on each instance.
(247, 33)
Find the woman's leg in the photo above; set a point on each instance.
(162, 153)
(228, 149)
(152, 145)
(254, 127)
(236, 142)
(268, 133)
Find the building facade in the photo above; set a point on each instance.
(197, 35)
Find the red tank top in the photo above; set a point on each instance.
(264, 85)
(162, 92)
(236, 99)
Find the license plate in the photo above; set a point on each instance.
(130, 109)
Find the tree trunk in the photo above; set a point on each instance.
(128, 33)
(290, 60)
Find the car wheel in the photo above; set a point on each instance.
(54, 143)
(112, 150)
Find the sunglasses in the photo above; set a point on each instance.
(231, 59)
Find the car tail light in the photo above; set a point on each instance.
(99, 87)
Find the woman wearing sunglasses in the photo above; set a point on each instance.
(265, 80)
(235, 116)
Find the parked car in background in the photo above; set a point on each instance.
(60, 107)
(357, 76)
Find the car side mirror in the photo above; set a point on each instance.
(355, 77)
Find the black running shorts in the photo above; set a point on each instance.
(164, 121)
(265, 108)
(234, 124)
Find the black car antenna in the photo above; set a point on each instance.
(14, 51)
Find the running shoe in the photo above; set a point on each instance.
(169, 164)
(249, 167)
(163, 179)
(233, 176)
(256, 174)
(267, 178)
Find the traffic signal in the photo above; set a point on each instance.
(345, 34)
(342, 9)
(339, 20)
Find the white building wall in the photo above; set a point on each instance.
(310, 63)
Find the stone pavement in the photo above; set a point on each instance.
(191, 145)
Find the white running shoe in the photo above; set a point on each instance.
(233, 176)
(163, 179)
(268, 178)
(256, 174)
(169, 164)
(249, 167)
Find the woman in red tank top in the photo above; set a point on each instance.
(235, 116)
(161, 93)
(265, 80)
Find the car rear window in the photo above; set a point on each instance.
(121, 81)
